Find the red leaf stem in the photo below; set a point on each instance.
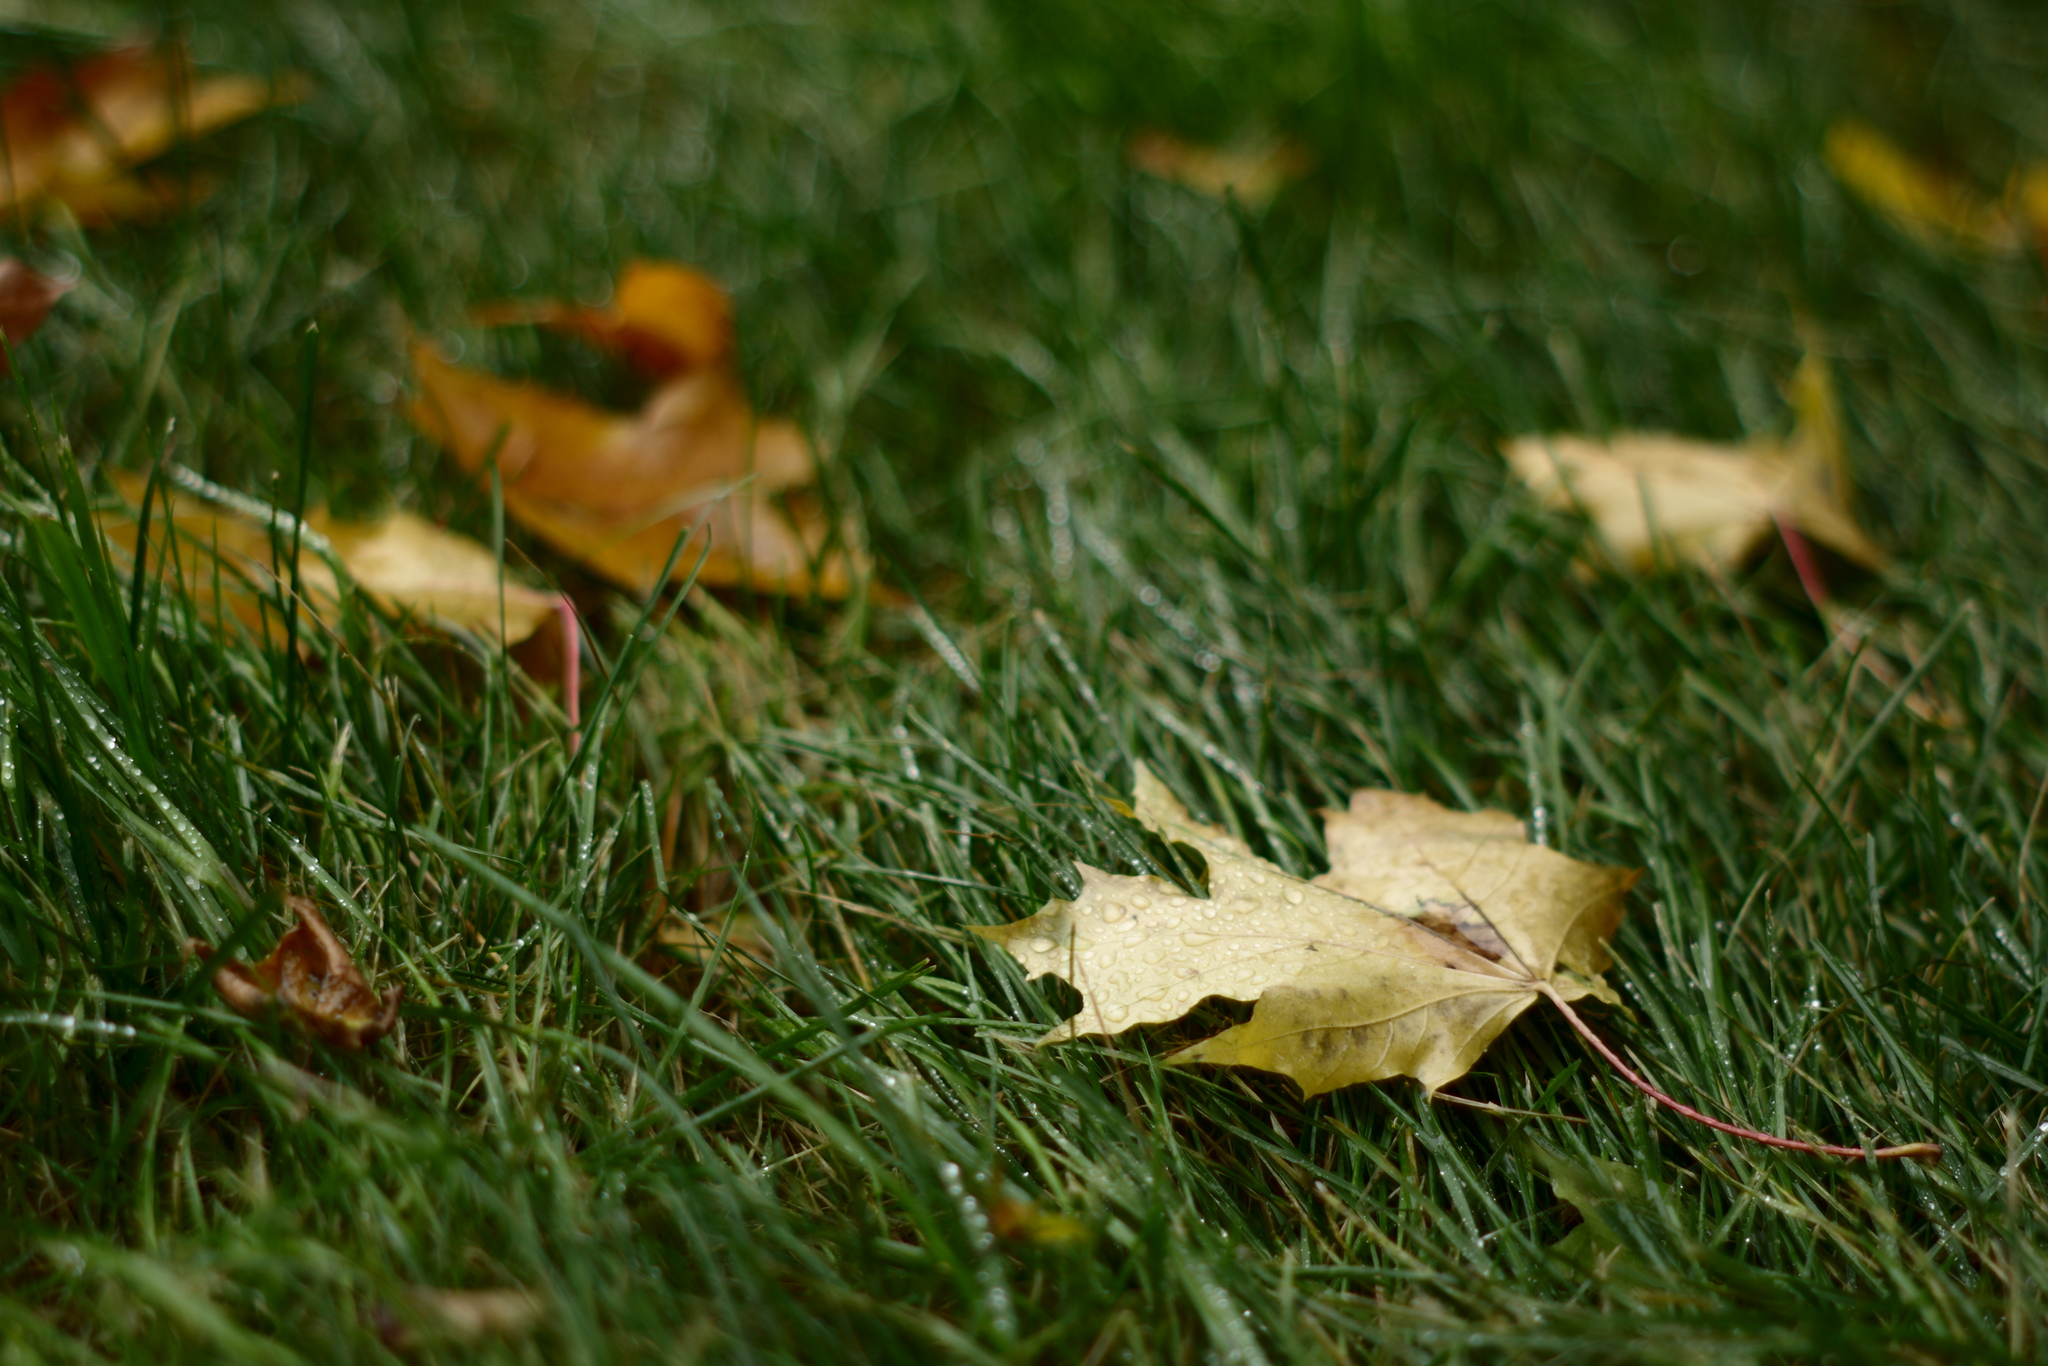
(1925, 1152)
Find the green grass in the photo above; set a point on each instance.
(1203, 488)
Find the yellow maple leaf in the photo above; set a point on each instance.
(1431, 932)
(1710, 504)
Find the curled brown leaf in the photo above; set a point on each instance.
(311, 978)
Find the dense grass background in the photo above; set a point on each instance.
(1178, 482)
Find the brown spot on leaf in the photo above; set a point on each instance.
(1466, 925)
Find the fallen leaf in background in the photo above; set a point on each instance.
(667, 319)
(1711, 504)
(677, 940)
(223, 558)
(1251, 174)
(1431, 932)
(26, 298)
(70, 134)
(1023, 1221)
(616, 491)
(460, 1316)
(410, 566)
(1923, 202)
(311, 975)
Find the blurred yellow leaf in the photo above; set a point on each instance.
(1933, 207)
(1252, 173)
(223, 558)
(71, 133)
(1710, 504)
(615, 490)
(1023, 1221)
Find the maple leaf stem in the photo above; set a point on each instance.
(572, 670)
(1926, 1152)
(1804, 564)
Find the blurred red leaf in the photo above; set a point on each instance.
(26, 297)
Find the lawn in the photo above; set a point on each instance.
(698, 1058)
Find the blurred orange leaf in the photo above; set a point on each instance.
(615, 490)
(1251, 173)
(667, 319)
(26, 298)
(311, 976)
(70, 134)
(223, 560)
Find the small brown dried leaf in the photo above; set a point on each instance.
(310, 976)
